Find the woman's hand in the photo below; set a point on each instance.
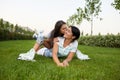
(65, 63)
(60, 65)
(68, 59)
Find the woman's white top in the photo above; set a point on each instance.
(62, 51)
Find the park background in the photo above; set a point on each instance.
(43, 14)
(19, 19)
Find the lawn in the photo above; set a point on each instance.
(104, 64)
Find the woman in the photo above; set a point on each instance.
(58, 31)
(67, 46)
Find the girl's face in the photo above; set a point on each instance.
(68, 34)
(63, 28)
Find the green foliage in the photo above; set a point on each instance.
(92, 9)
(102, 41)
(116, 4)
(104, 64)
(76, 18)
(10, 32)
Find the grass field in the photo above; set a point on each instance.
(104, 64)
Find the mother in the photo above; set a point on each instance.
(67, 46)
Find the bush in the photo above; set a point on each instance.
(101, 40)
(6, 35)
(10, 32)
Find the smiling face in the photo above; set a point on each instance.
(68, 34)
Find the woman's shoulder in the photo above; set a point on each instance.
(75, 42)
(60, 38)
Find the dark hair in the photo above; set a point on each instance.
(56, 31)
(75, 32)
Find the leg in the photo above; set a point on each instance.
(31, 53)
(36, 47)
(41, 51)
(81, 56)
(39, 41)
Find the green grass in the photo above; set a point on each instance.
(104, 64)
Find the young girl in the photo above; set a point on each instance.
(58, 31)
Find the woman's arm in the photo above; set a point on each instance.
(68, 59)
(54, 55)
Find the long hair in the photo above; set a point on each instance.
(56, 31)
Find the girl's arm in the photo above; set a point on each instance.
(68, 59)
(47, 43)
(54, 55)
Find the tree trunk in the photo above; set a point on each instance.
(91, 24)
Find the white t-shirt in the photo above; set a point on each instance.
(62, 51)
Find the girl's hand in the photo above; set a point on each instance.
(55, 40)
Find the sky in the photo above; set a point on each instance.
(43, 14)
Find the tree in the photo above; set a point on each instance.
(91, 10)
(6, 26)
(16, 28)
(116, 4)
(11, 28)
(76, 18)
(1, 24)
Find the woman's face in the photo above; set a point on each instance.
(63, 28)
(68, 33)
